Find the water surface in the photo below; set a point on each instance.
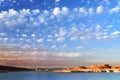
(58, 76)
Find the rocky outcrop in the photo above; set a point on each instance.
(101, 66)
(116, 67)
(77, 68)
(92, 68)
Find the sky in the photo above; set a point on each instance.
(59, 33)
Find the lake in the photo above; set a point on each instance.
(58, 76)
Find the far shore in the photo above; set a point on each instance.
(101, 68)
(83, 69)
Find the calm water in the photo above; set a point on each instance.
(58, 76)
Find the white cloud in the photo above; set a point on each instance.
(98, 27)
(109, 26)
(116, 33)
(105, 37)
(56, 35)
(25, 12)
(90, 11)
(56, 11)
(41, 19)
(79, 47)
(99, 9)
(60, 39)
(24, 35)
(107, 2)
(98, 35)
(2, 34)
(49, 40)
(5, 39)
(33, 35)
(69, 55)
(40, 40)
(57, 0)
(53, 47)
(82, 10)
(75, 9)
(26, 17)
(84, 38)
(64, 10)
(50, 36)
(74, 38)
(73, 30)
(115, 9)
(62, 32)
(36, 11)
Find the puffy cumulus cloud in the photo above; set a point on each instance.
(60, 11)
(62, 32)
(99, 9)
(43, 22)
(33, 35)
(24, 35)
(65, 10)
(74, 30)
(82, 10)
(61, 36)
(90, 11)
(26, 17)
(36, 11)
(56, 11)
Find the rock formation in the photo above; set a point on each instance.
(92, 68)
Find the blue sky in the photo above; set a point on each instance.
(46, 32)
